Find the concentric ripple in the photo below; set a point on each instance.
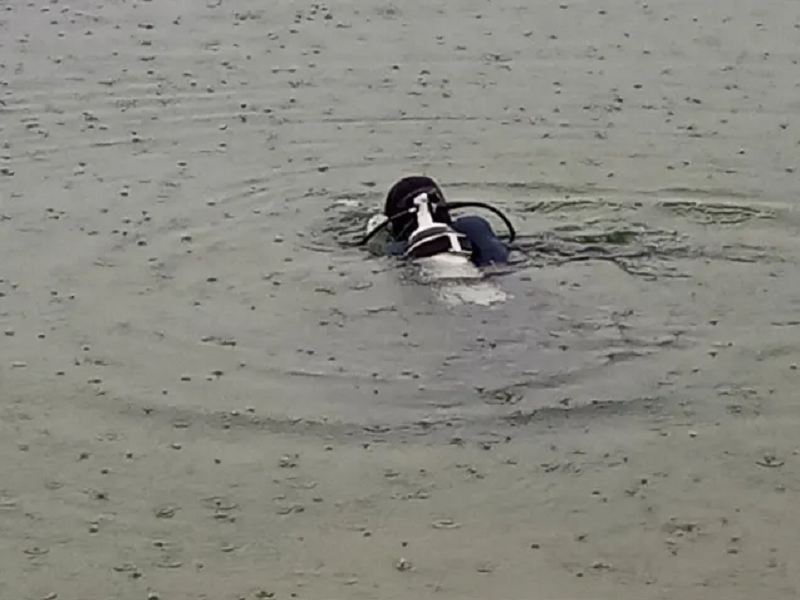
(184, 220)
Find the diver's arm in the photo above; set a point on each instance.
(487, 248)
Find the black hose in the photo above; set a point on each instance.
(512, 233)
(384, 225)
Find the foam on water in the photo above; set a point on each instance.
(457, 281)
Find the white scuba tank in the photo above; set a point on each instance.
(431, 238)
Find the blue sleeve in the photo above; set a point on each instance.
(487, 248)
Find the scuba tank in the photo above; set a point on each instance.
(431, 237)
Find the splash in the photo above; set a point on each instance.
(457, 281)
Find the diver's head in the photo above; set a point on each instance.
(401, 198)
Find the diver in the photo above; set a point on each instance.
(420, 225)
